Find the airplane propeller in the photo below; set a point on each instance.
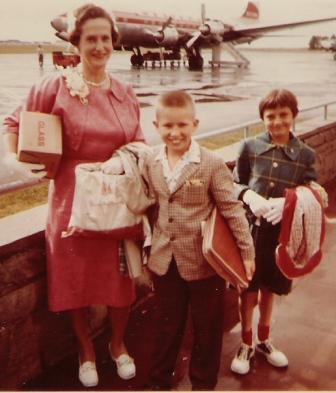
(196, 35)
(193, 39)
(210, 28)
(167, 23)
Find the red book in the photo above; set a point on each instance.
(221, 251)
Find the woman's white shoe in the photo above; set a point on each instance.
(125, 365)
(88, 374)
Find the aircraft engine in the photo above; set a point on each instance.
(167, 37)
(212, 27)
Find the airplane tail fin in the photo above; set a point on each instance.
(251, 11)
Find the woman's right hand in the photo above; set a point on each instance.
(145, 279)
(24, 170)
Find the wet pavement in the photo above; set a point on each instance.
(304, 322)
(303, 327)
(224, 96)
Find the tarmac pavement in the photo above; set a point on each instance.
(304, 322)
(303, 327)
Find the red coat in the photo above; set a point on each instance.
(83, 271)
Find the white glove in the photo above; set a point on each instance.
(275, 214)
(258, 204)
(24, 170)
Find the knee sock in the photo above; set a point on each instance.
(247, 337)
(263, 332)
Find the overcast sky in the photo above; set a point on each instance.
(30, 19)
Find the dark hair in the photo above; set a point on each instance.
(91, 11)
(176, 98)
(279, 97)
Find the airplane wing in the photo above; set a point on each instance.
(251, 33)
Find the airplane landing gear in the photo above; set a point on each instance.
(137, 60)
(195, 59)
(195, 62)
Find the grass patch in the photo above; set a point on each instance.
(216, 142)
(16, 201)
(23, 199)
(20, 48)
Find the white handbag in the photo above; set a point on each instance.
(106, 203)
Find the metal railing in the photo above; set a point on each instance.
(244, 127)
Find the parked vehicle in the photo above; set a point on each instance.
(65, 59)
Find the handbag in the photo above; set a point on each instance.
(221, 251)
(109, 204)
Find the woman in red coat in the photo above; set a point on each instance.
(99, 114)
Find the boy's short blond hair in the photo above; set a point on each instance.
(175, 99)
(279, 97)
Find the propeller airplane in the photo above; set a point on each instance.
(142, 30)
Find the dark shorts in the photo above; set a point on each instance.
(267, 274)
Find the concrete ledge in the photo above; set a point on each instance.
(22, 225)
(33, 339)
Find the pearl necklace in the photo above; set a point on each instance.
(97, 84)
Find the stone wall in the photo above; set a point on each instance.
(33, 339)
(323, 140)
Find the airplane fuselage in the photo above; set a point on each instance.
(145, 30)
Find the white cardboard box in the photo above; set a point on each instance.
(40, 140)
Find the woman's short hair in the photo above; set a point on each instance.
(279, 97)
(87, 12)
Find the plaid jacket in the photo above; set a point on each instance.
(177, 225)
(269, 169)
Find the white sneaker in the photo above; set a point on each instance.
(87, 374)
(275, 357)
(125, 365)
(241, 362)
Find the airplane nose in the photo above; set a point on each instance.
(58, 24)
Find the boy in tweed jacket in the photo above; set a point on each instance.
(266, 165)
(187, 181)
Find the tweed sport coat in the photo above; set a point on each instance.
(177, 225)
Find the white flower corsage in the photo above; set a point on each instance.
(75, 82)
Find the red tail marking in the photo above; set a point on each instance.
(252, 11)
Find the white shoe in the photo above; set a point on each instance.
(275, 357)
(125, 365)
(88, 374)
(241, 362)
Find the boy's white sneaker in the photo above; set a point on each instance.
(241, 362)
(275, 357)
